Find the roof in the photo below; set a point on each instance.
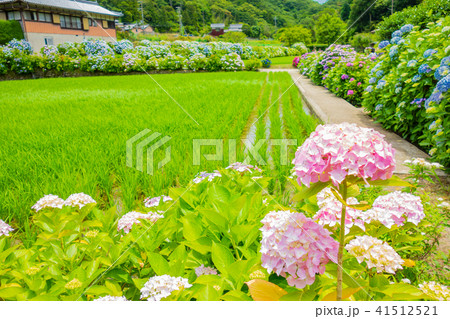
(77, 5)
(237, 25)
(218, 25)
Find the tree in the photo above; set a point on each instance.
(234, 37)
(345, 10)
(292, 35)
(329, 28)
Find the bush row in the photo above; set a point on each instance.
(404, 85)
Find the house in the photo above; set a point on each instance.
(234, 28)
(52, 22)
(216, 29)
(136, 28)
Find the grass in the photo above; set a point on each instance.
(68, 135)
(284, 62)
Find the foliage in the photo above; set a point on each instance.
(300, 47)
(420, 15)
(409, 87)
(10, 30)
(234, 37)
(361, 41)
(329, 28)
(252, 64)
(266, 63)
(290, 36)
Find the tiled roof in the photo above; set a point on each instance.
(78, 5)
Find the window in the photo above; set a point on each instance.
(70, 22)
(44, 17)
(30, 15)
(92, 23)
(14, 15)
(111, 25)
(48, 41)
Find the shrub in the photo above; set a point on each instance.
(266, 63)
(361, 41)
(10, 30)
(300, 47)
(253, 64)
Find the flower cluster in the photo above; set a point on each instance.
(50, 200)
(423, 163)
(435, 290)
(335, 151)
(156, 201)
(295, 247)
(203, 175)
(241, 167)
(375, 253)
(127, 221)
(79, 200)
(5, 229)
(202, 270)
(397, 208)
(159, 287)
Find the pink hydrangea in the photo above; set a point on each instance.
(79, 200)
(202, 270)
(330, 209)
(350, 92)
(296, 247)
(153, 202)
(397, 208)
(5, 229)
(127, 221)
(335, 151)
(352, 79)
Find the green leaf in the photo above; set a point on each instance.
(220, 193)
(192, 228)
(11, 292)
(71, 251)
(393, 181)
(221, 257)
(236, 295)
(202, 245)
(292, 296)
(159, 265)
(306, 192)
(207, 293)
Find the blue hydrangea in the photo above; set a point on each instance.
(424, 68)
(412, 63)
(393, 51)
(383, 44)
(435, 97)
(395, 40)
(429, 53)
(369, 88)
(441, 71)
(378, 107)
(372, 80)
(444, 84)
(379, 73)
(381, 84)
(432, 126)
(397, 33)
(398, 90)
(406, 28)
(416, 78)
(446, 61)
(21, 45)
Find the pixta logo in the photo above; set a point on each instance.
(146, 142)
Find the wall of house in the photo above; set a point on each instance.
(37, 32)
(2, 15)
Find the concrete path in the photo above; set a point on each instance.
(332, 109)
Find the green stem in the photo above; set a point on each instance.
(343, 192)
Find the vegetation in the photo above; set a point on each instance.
(10, 30)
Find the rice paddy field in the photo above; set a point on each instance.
(68, 135)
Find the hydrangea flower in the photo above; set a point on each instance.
(416, 78)
(5, 229)
(424, 68)
(411, 63)
(397, 33)
(429, 53)
(202, 270)
(352, 79)
(379, 73)
(381, 84)
(398, 89)
(435, 290)
(159, 287)
(350, 92)
(441, 72)
(155, 201)
(435, 97)
(111, 298)
(241, 167)
(383, 44)
(393, 51)
(369, 88)
(330, 209)
(445, 61)
(375, 253)
(423, 163)
(397, 208)
(344, 77)
(444, 84)
(127, 221)
(50, 200)
(378, 107)
(203, 175)
(335, 151)
(296, 247)
(406, 28)
(396, 40)
(372, 80)
(79, 199)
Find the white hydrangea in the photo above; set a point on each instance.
(111, 298)
(79, 200)
(153, 202)
(423, 163)
(202, 270)
(435, 290)
(127, 221)
(375, 253)
(48, 201)
(203, 175)
(241, 167)
(5, 229)
(159, 287)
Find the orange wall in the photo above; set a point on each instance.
(44, 27)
